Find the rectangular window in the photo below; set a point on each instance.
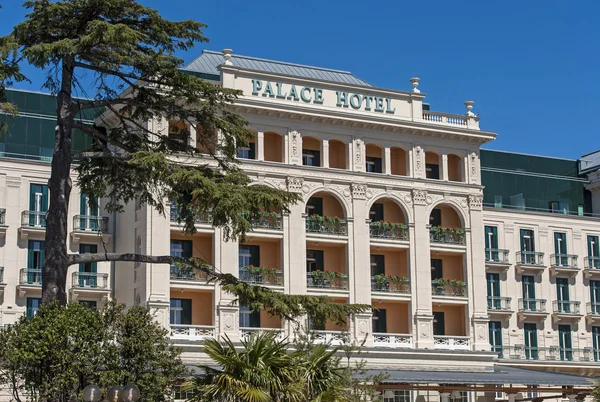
(373, 165)
(33, 305)
(493, 291)
(249, 255)
(554, 206)
(396, 395)
(314, 260)
(532, 393)
(249, 319)
(595, 297)
(181, 395)
(527, 247)
(183, 249)
(38, 204)
(528, 283)
(311, 157)
(439, 327)
(596, 342)
(87, 271)
(435, 218)
(495, 334)
(432, 171)
(566, 346)
(314, 206)
(379, 321)
(531, 344)
(376, 213)
(560, 249)
(436, 269)
(181, 312)
(247, 151)
(491, 237)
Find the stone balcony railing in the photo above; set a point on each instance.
(563, 260)
(326, 225)
(499, 303)
(452, 342)
(327, 280)
(34, 219)
(566, 307)
(496, 255)
(532, 305)
(246, 332)
(90, 223)
(550, 353)
(592, 262)
(90, 280)
(387, 285)
(192, 332)
(530, 258)
(330, 337)
(393, 340)
(263, 276)
(30, 276)
(388, 230)
(448, 119)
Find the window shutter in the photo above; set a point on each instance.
(252, 153)
(316, 158)
(186, 311)
(44, 198)
(30, 254)
(378, 167)
(82, 202)
(187, 248)
(255, 319)
(255, 255)
(437, 270)
(382, 322)
(319, 260)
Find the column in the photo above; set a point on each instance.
(444, 396)
(422, 277)
(325, 153)
(387, 160)
(359, 260)
(228, 312)
(358, 155)
(444, 168)
(260, 146)
(192, 141)
(477, 283)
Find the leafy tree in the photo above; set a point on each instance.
(62, 349)
(120, 56)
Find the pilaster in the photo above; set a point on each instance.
(417, 156)
(358, 155)
(260, 146)
(229, 321)
(325, 153)
(387, 160)
(444, 167)
(295, 147)
(295, 232)
(473, 170)
(360, 244)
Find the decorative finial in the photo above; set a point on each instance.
(415, 84)
(227, 54)
(469, 106)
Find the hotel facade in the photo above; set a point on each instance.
(476, 261)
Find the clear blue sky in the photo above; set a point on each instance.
(532, 67)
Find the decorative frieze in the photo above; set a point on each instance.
(359, 191)
(295, 184)
(475, 202)
(419, 197)
(294, 136)
(418, 158)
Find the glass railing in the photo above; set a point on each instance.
(563, 260)
(530, 258)
(326, 225)
(391, 284)
(35, 219)
(327, 280)
(532, 305)
(448, 287)
(90, 223)
(498, 303)
(592, 262)
(496, 255)
(92, 280)
(388, 230)
(261, 276)
(566, 307)
(30, 276)
(438, 234)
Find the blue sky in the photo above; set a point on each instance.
(530, 66)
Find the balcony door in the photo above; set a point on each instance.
(596, 342)
(495, 333)
(88, 209)
(528, 283)
(562, 295)
(527, 246)
(33, 305)
(564, 339)
(181, 312)
(595, 297)
(380, 321)
(491, 243)
(593, 251)
(531, 343)
(493, 290)
(90, 268)
(435, 219)
(35, 260)
(183, 249)
(38, 204)
(437, 271)
(314, 206)
(376, 213)
(560, 249)
(439, 326)
(249, 319)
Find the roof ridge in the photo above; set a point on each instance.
(281, 62)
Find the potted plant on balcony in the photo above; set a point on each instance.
(397, 283)
(458, 286)
(381, 282)
(440, 285)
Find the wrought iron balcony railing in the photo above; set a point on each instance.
(326, 225)
(448, 288)
(498, 303)
(327, 280)
(388, 230)
(390, 285)
(446, 235)
(530, 258)
(90, 280)
(267, 220)
(30, 276)
(532, 305)
(34, 219)
(185, 274)
(496, 255)
(201, 217)
(90, 223)
(262, 276)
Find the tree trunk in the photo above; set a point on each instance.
(56, 264)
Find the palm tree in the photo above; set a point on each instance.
(262, 371)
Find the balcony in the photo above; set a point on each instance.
(261, 276)
(2, 283)
(192, 332)
(591, 266)
(3, 226)
(326, 225)
(33, 223)
(390, 284)
(201, 218)
(532, 308)
(327, 280)
(30, 280)
(389, 231)
(497, 257)
(400, 341)
(245, 333)
(448, 287)
(334, 338)
(89, 284)
(566, 310)
(266, 220)
(186, 274)
(592, 312)
(452, 342)
(532, 261)
(550, 353)
(499, 305)
(448, 119)
(451, 236)
(563, 264)
(89, 228)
